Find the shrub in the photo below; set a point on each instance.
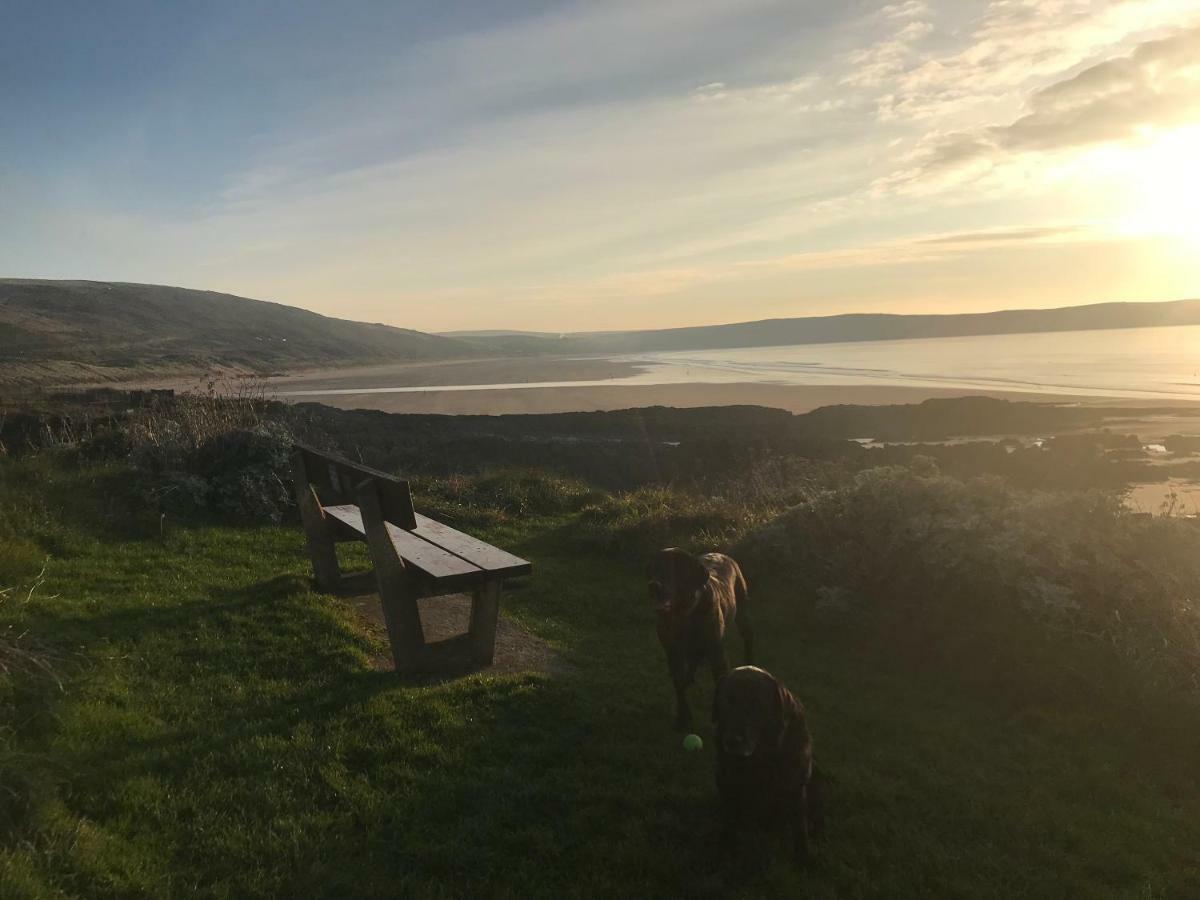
(248, 472)
(496, 497)
(244, 474)
(228, 456)
(998, 578)
(639, 522)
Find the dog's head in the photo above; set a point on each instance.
(674, 577)
(750, 709)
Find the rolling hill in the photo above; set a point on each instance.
(850, 327)
(56, 332)
(61, 331)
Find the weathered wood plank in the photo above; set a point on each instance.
(340, 478)
(491, 559)
(397, 593)
(349, 515)
(430, 560)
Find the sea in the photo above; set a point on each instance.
(1140, 363)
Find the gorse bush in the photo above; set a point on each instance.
(1026, 583)
(500, 496)
(639, 522)
(244, 474)
(225, 453)
(709, 515)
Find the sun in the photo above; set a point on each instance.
(1160, 193)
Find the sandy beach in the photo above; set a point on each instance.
(557, 385)
(518, 370)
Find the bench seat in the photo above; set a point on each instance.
(442, 557)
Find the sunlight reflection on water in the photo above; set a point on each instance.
(1135, 362)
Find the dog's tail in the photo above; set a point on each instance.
(742, 616)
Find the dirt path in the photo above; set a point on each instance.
(517, 650)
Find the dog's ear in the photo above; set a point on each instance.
(689, 573)
(661, 564)
(790, 710)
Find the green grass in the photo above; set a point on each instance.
(223, 734)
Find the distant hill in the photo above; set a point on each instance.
(54, 332)
(856, 327)
(58, 331)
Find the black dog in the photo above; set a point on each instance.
(764, 759)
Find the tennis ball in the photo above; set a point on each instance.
(692, 742)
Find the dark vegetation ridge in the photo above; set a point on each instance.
(57, 331)
(999, 661)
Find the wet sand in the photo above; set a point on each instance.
(586, 396)
(578, 385)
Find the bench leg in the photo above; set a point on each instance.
(321, 549)
(396, 591)
(485, 612)
(403, 621)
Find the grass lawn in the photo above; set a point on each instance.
(222, 733)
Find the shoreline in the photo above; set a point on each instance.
(562, 384)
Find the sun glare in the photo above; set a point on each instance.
(1161, 190)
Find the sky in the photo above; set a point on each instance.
(607, 164)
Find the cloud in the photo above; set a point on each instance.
(604, 153)
(1014, 46)
(907, 9)
(1155, 86)
(1008, 236)
(883, 60)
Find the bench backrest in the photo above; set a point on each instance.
(337, 478)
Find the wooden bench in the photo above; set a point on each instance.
(413, 556)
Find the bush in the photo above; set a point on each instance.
(229, 457)
(1008, 580)
(496, 497)
(244, 474)
(640, 522)
(248, 471)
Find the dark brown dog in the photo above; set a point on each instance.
(764, 759)
(696, 597)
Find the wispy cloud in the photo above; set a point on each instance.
(506, 166)
(1156, 85)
